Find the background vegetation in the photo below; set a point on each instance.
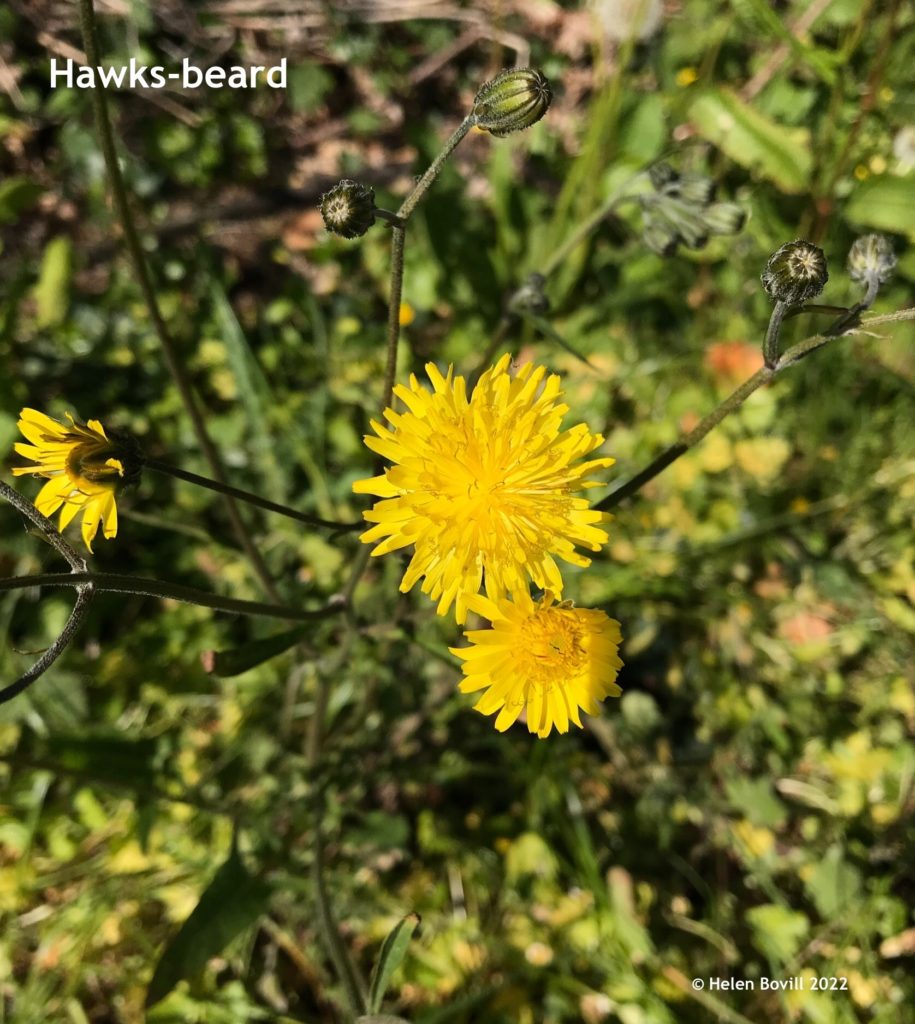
(745, 810)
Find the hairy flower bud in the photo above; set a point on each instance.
(795, 273)
(871, 257)
(348, 208)
(512, 101)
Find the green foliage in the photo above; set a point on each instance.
(744, 811)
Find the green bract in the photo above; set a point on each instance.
(512, 101)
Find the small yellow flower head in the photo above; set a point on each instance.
(83, 467)
(485, 489)
(512, 101)
(549, 660)
(795, 273)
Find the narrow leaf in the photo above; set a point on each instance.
(239, 659)
(393, 950)
(231, 902)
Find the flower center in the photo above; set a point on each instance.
(552, 648)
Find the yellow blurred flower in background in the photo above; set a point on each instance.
(484, 488)
(83, 467)
(546, 659)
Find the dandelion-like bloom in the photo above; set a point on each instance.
(484, 488)
(550, 660)
(83, 467)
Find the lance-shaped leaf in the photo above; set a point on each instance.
(393, 950)
(232, 901)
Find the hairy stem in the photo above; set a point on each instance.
(770, 344)
(84, 596)
(398, 240)
(144, 278)
(124, 584)
(247, 496)
(422, 186)
(49, 531)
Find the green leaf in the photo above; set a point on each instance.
(240, 659)
(16, 196)
(833, 884)
(52, 292)
(756, 801)
(393, 950)
(884, 202)
(232, 902)
(254, 391)
(777, 931)
(777, 153)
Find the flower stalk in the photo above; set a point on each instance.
(247, 496)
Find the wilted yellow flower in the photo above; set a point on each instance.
(83, 467)
(550, 660)
(484, 488)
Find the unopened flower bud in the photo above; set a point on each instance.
(512, 101)
(795, 273)
(871, 257)
(348, 209)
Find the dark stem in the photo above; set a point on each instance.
(251, 499)
(123, 584)
(398, 240)
(144, 278)
(422, 186)
(84, 596)
(48, 530)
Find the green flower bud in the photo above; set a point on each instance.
(724, 218)
(871, 257)
(795, 273)
(348, 208)
(512, 101)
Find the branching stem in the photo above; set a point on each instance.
(841, 328)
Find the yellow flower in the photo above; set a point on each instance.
(484, 488)
(83, 467)
(543, 658)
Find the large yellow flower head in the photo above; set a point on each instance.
(547, 659)
(485, 488)
(83, 467)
